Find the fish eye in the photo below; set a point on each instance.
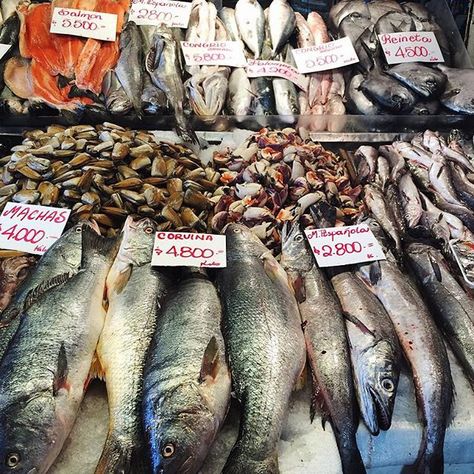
(388, 385)
(78, 229)
(236, 230)
(299, 238)
(12, 460)
(396, 98)
(168, 450)
(148, 230)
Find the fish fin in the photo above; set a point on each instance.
(121, 454)
(273, 270)
(210, 361)
(62, 371)
(358, 323)
(375, 272)
(436, 269)
(122, 279)
(33, 296)
(317, 402)
(301, 380)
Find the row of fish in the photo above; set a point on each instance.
(406, 88)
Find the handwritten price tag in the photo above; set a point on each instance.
(258, 68)
(216, 53)
(4, 49)
(31, 229)
(325, 56)
(336, 246)
(182, 249)
(85, 23)
(156, 12)
(411, 47)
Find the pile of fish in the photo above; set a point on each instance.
(277, 176)
(406, 88)
(105, 173)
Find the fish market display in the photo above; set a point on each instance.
(186, 381)
(265, 346)
(124, 342)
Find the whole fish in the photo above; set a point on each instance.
(424, 80)
(458, 210)
(251, 23)
(375, 201)
(464, 188)
(282, 23)
(395, 159)
(449, 304)
(264, 97)
(375, 352)
(416, 153)
(154, 100)
(135, 292)
(434, 222)
(64, 256)
(304, 37)
(387, 92)
(382, 177)
(411, 201)
(455, 155)
(441, 182)
(227, 15)
(187, 382)
(457, 97)
(13, 272)
(358, 101)
(262, 328)
(365, 158)
(240, 95)
(424, 350)
(45, 370)
(326, 345)
(129, 69)
(163, 64)
(116, 100)
(286, 97)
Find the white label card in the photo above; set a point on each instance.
(411, 47)
(156, 12)
(215, 53)
(4, 49)
(31, 229)
(335, 246)
(259, 68)
(85, 23)
(183, 249)
(326, 56)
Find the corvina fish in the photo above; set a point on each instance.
(411, 201)
(376, 203)
(449, 304)
(13, 272)
(262, 329)
(64, 256)
(135, 292)
(282, 23)
(326, 346)
(457, 97)
(46, 369)
(424, 350)
(163, 65)
(388, 92)
(240, 94)
(375, 352)
(129, 69)
(424, 80)
(251, 23)
(187, 382)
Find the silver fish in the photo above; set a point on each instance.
(395, 159)
(457, 97)
(116, 100)
(227, 15)
(282, 23)
(251, 23)
(358, 101)
(286, 97)
(240, 95)
(411, 200)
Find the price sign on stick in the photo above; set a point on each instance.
(157, 12)
(259, 68)
(31, 229)
(411, 47)
(182, 249)
(215, 53)
(335, 246)
(85, 23)
(326, 56)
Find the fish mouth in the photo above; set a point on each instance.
(384, 420)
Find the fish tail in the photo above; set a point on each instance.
(239, 462)
(351, 459)
(121, 456)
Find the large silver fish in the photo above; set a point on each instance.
(251, 23)
(265, 346)
(282, 23)
(187, 382)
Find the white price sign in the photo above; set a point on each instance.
(323, 57)
(4, 49)
(85, 23)
(335, 246)
(156, 12)
(215, 53)
(31, 229)
(259, 68)
(182, 249)
(411, 47)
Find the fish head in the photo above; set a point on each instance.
(31, 435)
(401, 99)
(137, 241)
(186, 428)
(294, 251)
(242, 243)
(377, 385)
